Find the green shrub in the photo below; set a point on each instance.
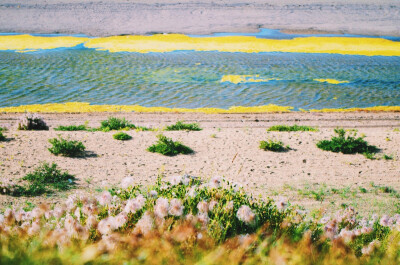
(113, 123)
(180, 126)
(293, 128)
(270, 145)
(44, 179)
(2, 137)
(122, 136)
(66, 148)
(32, 122)
(166, 146)
(71, 128)
(347, 145)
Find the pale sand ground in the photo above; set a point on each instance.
(233, 153)
(114, 17)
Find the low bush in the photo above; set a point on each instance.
(67, 148)
(44, 179)
(166, 146)
(349, 144)
(180, 126)
(271, 145)
(113, 123)
(2, 137)
(32, 122)
(293, 128)
(122, 136)
(71, 128)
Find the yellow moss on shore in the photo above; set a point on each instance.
(82, 107)
(176, 42)
(32, 43)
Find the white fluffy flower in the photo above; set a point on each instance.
(145, 224)
(245, 214)
(161, 207)
(281, 204)
(127, 182)
(176, 207)
(153, 193)
(202, 207)
(105, 226)
(120, 220)
(215, 182)
(91, 221)
(105, 198)
(211, 205)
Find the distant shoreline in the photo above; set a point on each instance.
(113, 17)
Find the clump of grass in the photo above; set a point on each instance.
(166, 146)
(293, 128)
(66, 148)
(347, 144)
(2, 137)
(180, 126)
(387, 157)
(122, 136)
(271, 145)
(71, 128)
(113, 123)
(44, 179)
(32, 122)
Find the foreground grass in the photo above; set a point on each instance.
(183, 220)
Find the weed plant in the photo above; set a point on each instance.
(2, 137)
(113, 123)
(271, 145)
(44, 179)
(180, 126)
(66, 148)
(166, 146)
(32, 122)
(349, 144)
(71, 128)
(122, 136)
(293, 128)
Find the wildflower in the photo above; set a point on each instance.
(186, 180)
(145, 224)
(104, 227)
(203, 218)
(34, 229)
(19, 216)
(331, 228)
(215, 182)
(89, 209)
(384, 221)
(91, 221)
(229, 206)
(161, 207)
(346, 235)
(58, 212)
(211, 205)
(324, 220)
(245, 214)
(153, 193)
(120, 220)
(192, 192)
(77, 213)
(70, 203)
(202, 207)
(367, 250)
(127, 182)
(105, 198)
(176, 207)
(174, 180)
(281, 204)
(366, 230)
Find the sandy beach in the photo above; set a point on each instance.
(113, 17)
(227, 146)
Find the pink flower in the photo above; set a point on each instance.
(215, 182)
(105, 227)
(161, 207)
(120, 220)
(202, 207)
(91, 221)
(145, 224)
(211, 205)
(176, 207)
(245, 214)
(127, 182)
(105, 198)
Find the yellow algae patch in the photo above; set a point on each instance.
(331, 81)
(369, 109)
(236, 79)
(249, 44)
(24, 51)
(86, 107)
(29, 43)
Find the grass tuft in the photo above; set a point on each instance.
(180, 126)
(166, 146)
(271, 145)
(347, 144)
(113, 123)
(293, 128)
(66, 148)
(71, 128)
(122, 136)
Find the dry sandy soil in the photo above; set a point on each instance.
(115, 17)
(227, 146)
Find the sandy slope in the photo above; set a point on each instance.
(114, 17)
(228, 146)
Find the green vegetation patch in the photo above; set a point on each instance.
(66, 148)
(113, 123)
(44, 179)
(71, 128)
(122, 136)
(166, 146)
(349, 144)
(271, 145)
(180, 126)
(2, 137)
(292, 128)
